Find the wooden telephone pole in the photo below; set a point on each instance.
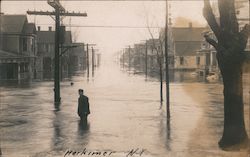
(93, 61)
(87, 57)
(123, 58)
(87, 60)
(146, 59)
(129, 57)
(59, 11)
(166, 63)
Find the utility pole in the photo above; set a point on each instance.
(129, 66)
(123, 59)
(146, 59)
(59, 11)
(57, 97)
(87, 57)
(87, 60)
(166, 63)
(93, 61)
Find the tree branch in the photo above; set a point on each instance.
(228, 19)
(153, 42)
(211, 41)
(209, 16)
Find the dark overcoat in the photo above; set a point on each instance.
(83, 106)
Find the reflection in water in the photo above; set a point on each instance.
(161, 104)
(165, 131)
(83, 132)
(57, 106)
(83, 128)
(93, 72)
(168, 130)
(58, 139)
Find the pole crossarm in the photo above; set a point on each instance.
(91, 44)
(53, 13)
(66, 49)
(40, 13)
(243, 19)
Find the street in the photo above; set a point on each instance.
(125, 114)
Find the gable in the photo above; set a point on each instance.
(13, 23)
(187, 34)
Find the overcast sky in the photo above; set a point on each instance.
(110, 13)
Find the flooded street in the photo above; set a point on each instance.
(125, 114)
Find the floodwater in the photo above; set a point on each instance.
(125, 114)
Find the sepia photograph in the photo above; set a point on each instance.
(124, 78)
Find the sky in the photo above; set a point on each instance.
(111, 13)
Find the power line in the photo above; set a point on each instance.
(108, 26)
(120, 0)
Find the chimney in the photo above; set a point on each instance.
(50, 28)
(190, 24)
(39, 28)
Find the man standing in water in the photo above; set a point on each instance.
(83, 106)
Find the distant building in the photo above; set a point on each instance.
(17, 48)
(46, 53)
(186, 42)
(140, 56)
(77, 57)
(128, 57)
(183, 44)
(154, 46)
(136, 56)
(206, 57)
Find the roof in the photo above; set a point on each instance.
(188, 34)
(13, 23)
(49, 37)
(187, 40)
(187, 48)
(30, 28)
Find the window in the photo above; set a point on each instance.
(198, 60)
(203, 45)
(24, 44)
(33, 45)
(46, 47)
(51, 48)
(213, 58)
(208, 59)
(181, 60)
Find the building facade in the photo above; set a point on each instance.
(186, 41)
(46, 53)
(18, 52)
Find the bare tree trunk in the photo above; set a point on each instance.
(234, 126)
